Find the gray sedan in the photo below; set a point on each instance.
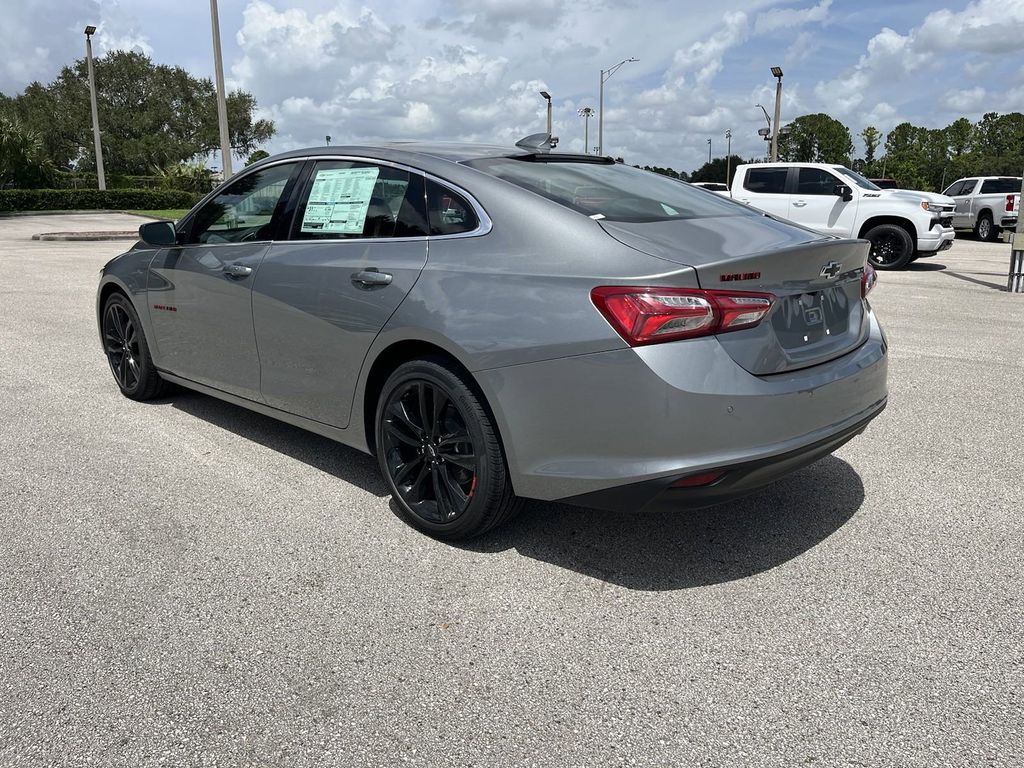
(497, 323)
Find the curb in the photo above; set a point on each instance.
(86, 236)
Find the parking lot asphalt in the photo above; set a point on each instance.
(187, 583)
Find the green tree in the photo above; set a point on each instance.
(150, 115)
(816, 138)
(872, 138)
(716, 169)
(255, 157)
(23, 160)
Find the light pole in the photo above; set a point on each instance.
(328, 140)
(101, 177)
(586, 113)
(777, 73)
(547, 97)
(709, 152)
(605, 75)
(728, 158)
(222, 104)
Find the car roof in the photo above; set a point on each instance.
(453, 151)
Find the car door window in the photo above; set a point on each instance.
(968, 187)
(449, 212)
(955, 188)
(815, 181)
(350, 199)
(766, 181)
(243, 212)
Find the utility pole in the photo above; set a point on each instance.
(222, 104)
(547, 97)
(728, 158)
(101, 178)
(709, 152)
(777, 72)
(605, 75)
(586, 113)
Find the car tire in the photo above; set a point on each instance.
(985, 229)
(127, 350)
(892, 247)
(439, 452)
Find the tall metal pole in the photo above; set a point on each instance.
(549, 117)
(778, 107)
(728, 157)
(101, 177)
(605, 74)
(709, 152)
(222, 104)
(586, 134)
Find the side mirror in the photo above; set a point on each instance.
(159, 234)
(843, 191)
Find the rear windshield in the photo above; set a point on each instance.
(1000, 186)
(611, 191)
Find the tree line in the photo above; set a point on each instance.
(153, 118)
(917, 157)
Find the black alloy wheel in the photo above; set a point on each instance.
(122, 343)
(430, 454)
(127, 351)
(439, 451)
(891, 246)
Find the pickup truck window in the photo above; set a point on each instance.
(767, 181)
(856, 178)
(1000, 186)
(815, 181)
(968, 187)
(955, 188)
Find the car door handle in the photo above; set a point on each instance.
(371, 277)
(237, 270)
(799, 204)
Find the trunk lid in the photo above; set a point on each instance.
(818, 313)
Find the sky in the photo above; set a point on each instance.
(364, 70)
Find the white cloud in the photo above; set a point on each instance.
(783, 18)
(967, 100)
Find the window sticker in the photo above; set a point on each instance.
(339, 200)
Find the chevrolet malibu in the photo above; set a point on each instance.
(500, 323)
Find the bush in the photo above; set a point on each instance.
(94, 199)
(79, 180)
(194, 177)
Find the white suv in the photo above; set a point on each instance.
(902, 225)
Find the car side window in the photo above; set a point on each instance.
(449, 212)
(968, 187)
(244, 210)
(350, 199)
(815, 181)
(768, 181)
(953, 189)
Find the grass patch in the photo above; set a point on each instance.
(169, 213)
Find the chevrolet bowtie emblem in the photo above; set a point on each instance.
(831, 270)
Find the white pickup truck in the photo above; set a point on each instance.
(986, 204)
(902, 225)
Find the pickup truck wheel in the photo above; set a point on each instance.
(891, 246)
(985, 229)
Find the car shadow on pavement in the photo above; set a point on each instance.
(925, 266)
(328, 456)
(976, 281)
(688, 548)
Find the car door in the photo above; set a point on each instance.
(201, 290)
(357, 244)
(765, 188)
(962, 193)
(816, 205)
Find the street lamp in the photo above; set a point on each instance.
(101, 178)
(777, 73)
(222, 105)
(547, 97)
(605, 75)
(586, 113)
(328, 140)
(728, 158)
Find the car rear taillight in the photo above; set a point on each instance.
(1009, 202)
(652, 315)
(867, 280)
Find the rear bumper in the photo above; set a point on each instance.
(738, 480)
(938, 238)
(1008, 222)
(623, 419)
